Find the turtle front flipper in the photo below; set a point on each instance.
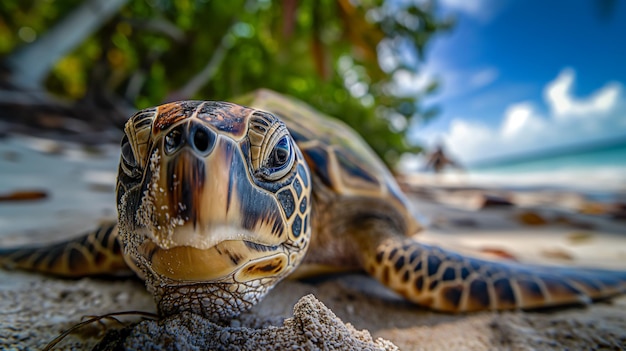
(95, 253)
(447, 281)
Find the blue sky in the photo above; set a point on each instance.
(524, 75)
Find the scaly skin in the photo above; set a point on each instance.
(95, 253)
(206, 213)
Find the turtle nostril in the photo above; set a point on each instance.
(173, 140)
(202, 139)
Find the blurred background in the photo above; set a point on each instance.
(496, 90)
(531, 93)
(102, 59)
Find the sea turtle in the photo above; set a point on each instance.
(218, 202)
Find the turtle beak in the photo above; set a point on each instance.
(201, 200)
(185, 177)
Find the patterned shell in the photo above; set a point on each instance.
(335, 153)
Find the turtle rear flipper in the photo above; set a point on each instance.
(446, 281)
(95, 253)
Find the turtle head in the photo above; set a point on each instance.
(213, 203)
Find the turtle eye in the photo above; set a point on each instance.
(173, 141)
(129, 164)
(127, 152)
(280, 160)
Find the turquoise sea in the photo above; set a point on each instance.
(599, 166)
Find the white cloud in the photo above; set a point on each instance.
(558, 96)
(470, 7)
(519, 119)
(524, 129)
(472, 135)
(483, 10)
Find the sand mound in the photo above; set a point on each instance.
(312, 327)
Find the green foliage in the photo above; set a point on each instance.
(327, 53)
(31, 16)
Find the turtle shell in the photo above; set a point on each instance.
(338, 157)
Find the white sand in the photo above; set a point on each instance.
(35, 309)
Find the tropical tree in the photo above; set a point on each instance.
(338, 55)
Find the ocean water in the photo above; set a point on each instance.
(602, 167)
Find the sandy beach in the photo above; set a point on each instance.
(52, 190)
